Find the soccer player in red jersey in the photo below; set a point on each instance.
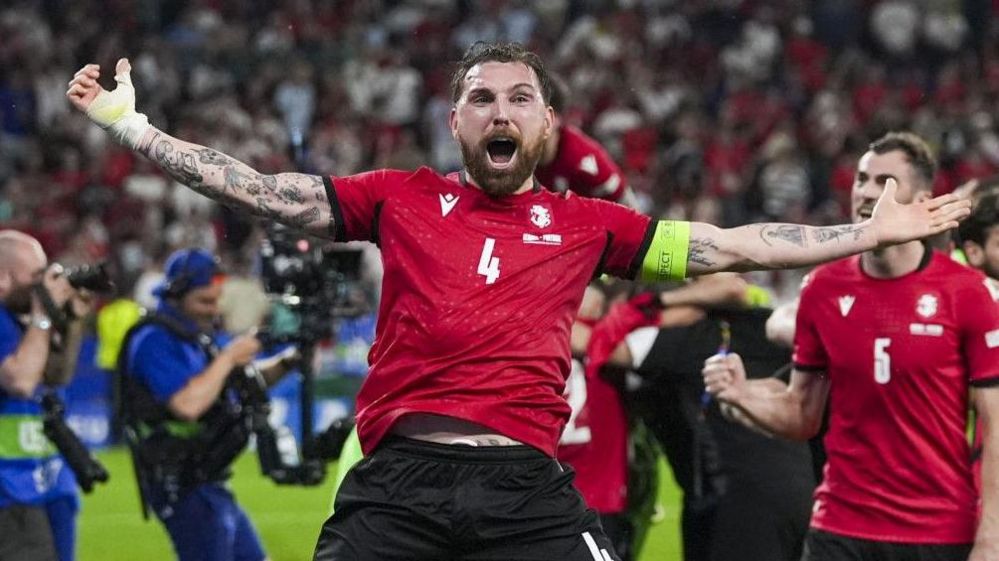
(461, 412)
(572, 161)
(894, 338)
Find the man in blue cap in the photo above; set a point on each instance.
(175, 365)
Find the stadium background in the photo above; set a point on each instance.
(726, 111)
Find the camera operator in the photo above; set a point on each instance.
(175, 367)
(38, 497)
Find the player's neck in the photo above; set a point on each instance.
(895, 261)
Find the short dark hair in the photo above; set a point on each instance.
(916, 150)
(499, 52)
(560, 94)
(984, 216)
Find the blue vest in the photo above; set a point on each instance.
(31, 470)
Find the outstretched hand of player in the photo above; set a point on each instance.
(896, 223)
(114, 110)
(724, 376)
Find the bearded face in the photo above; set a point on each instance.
(19, 300)
(501, 162)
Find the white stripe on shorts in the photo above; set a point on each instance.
(592, 545)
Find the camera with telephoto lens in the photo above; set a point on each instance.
(94, 278)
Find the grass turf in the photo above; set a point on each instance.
(287, 518)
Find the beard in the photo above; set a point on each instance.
(500, 183)
(19, 300)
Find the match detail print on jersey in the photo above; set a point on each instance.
(666, 258)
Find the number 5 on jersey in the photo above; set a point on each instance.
(882, 360)
(489, 265)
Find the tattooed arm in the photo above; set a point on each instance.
(786, 246)
(295, 199)
(773, 246)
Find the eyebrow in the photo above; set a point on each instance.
(517, 86)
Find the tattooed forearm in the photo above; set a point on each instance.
(285, 197)
(304, 218)
(209, 156)
(787, 232)
(701, 251)
(838, 233)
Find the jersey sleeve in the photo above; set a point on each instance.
(809, 353)
(628, 238)
(597, 176)
(356, 200)
(978, 312)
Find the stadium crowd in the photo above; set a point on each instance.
(724, 111)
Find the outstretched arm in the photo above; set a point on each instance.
(786, 246)
(792, 411)
(295, 199)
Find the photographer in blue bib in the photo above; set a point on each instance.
(40, 334)
(184, 400)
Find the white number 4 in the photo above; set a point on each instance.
(882, 360)
(489, 265)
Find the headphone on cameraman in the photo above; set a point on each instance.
(180, 285)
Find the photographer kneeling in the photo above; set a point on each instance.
(38, 497)
(181, 416)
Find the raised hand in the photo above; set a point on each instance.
(114, 110)
(724, 375)
(896, 223)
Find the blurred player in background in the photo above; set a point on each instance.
(894, 338)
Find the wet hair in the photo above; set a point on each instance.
(984, 216)
(482, 52)
(917, 153)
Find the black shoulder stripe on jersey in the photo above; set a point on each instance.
(375, 220)
(811, 369)
(989, 382)
(636, 261)
(599, 270)
(338, 229)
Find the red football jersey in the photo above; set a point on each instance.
(478, 296)
(583, 166)
(900, 355)
(595, 441)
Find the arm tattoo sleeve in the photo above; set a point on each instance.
(295, 199)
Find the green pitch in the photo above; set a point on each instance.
(287, 518)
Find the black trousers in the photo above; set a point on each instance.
(423, 501)
(25, 534)
(824, 546)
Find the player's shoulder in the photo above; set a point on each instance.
(958, 277)
(846, 269)
(422, 176)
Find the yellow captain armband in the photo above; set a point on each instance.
(666, 258)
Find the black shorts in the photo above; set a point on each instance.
(824, 546)
(418, 500)
(26, 534)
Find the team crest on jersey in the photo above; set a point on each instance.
(541, 216)
(926, 306)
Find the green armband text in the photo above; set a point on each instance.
(666, 258)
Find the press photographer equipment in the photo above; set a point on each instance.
(309, 283)
(86, 468)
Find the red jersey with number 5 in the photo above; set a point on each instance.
(900, 355)
(478, 297)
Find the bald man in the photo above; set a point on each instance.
(38, 499)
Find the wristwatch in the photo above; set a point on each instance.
(41, 322)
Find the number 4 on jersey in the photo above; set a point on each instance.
(489, 265)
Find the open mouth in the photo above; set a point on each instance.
(865, 213)
(501, 151)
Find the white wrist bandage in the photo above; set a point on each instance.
(115, 112)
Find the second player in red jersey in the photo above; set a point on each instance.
(894, 339)
(899, 354)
